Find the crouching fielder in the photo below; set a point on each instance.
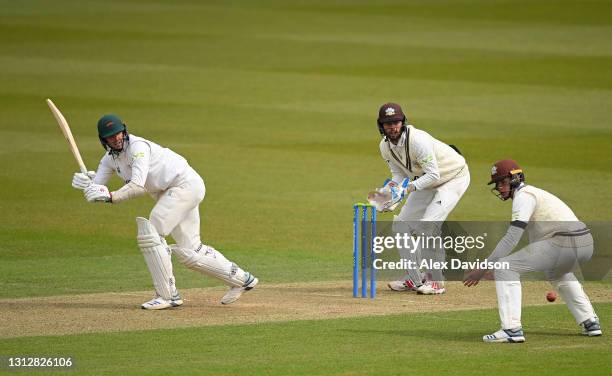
(558, 243)
(146, 167)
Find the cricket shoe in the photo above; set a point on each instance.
(431, 288)
(406, 285)
(161, 303)
(236, 292)
(506, 336)
(591, 327)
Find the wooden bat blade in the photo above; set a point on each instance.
(63, 124)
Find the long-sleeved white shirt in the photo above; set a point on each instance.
(541, 214)
(431, 161)
(144, 163)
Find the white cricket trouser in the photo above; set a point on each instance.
(433, 206)
(558, 263)
(176, 213)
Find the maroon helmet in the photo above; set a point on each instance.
(390, 113)
(506, 168)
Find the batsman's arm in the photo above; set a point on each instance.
(100, 193)
(140, 155)
(82, 181)
(128, 191)
(104, 172)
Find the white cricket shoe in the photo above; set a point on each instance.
(161, 303)
(591, 327)
(506, 336)
(431, 288)
(406, 285)
(235, 293)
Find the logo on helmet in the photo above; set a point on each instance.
(494, 170)
(390, 111)
(109, 124)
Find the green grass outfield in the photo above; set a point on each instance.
(274, 103)
(437, 343)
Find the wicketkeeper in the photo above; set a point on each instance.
(148, 168)
(558, 244)
(438, 177)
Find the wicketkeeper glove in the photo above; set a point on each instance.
(389, 196)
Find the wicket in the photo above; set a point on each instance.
(363, 238)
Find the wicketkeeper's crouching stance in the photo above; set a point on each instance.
(559, 243)
(149, 168)
(436, 176)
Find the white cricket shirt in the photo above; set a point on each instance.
(544, 213)
(432, 161)
(144, 163)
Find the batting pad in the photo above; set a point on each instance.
(209, 261)
(157, 256)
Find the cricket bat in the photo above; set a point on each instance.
(63, 124)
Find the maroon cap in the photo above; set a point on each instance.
(503, 169)
(390, 112)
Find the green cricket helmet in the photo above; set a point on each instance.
(110, 125)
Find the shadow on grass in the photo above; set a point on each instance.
(421, 334)
(454, 336)
(552, 333)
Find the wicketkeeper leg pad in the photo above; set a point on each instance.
(157, 256)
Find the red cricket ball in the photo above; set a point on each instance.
(551, 296)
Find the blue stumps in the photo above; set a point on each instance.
(364, 231)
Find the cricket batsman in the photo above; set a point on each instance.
(148, 168)
(438, 177)
(558, 243)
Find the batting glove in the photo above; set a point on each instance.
(97, 193)
(81, 180)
